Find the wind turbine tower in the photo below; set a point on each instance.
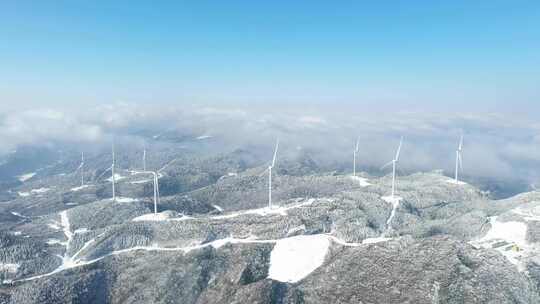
(156, 191)
(459, 160)
(354, 156)
(270, 175)
(144, 158)
(393, 162)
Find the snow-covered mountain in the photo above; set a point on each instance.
(330, 238)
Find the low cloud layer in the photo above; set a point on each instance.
(496, 146)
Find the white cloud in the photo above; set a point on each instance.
(495, 145)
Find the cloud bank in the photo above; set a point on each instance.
(496, 146)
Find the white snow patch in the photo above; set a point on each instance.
(143, 181)
(162, 216)
(54, 225)
(528, 214)
(218, 208)
(24, 177)
(512, 232)
(152, 217)
(17, 233)
(64, 221)
(54, 241)
(362, 181)
(296, 229)
(453, 181)
(79, 188)
(126, 200)
(81, 230)
(34, 191)
(9, 267)
(394, 200)
(230, 174)
(18, 214)
(39, 190)
(117, 177)
(292, 259)
(376, 240)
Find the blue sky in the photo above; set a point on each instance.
(414, 55)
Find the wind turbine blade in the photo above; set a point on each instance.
(387, 164)
(460, 147)
(167, 165)
(460, 158)
(264, 172)
(275, 153)
(78, 168)
(357, 144)
(399, 149)
(103, 173)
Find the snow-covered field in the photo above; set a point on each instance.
(117, 177)
(454, 182)
(34, 191)
(294, 258)
(162, 216)
(79, 188)
(376, 240)
(362, 181)
(142, 181)
(126, 199)
(9, 267)
(23, 194)
(81, 230)
(508, 238)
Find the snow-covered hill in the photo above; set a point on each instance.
(329, 238)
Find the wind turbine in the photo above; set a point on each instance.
(270, 174)
(155, 179)
(156, 190)
(354, 156)
(144, 158)
(113, 179)
(459, 159)
(393, 162)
